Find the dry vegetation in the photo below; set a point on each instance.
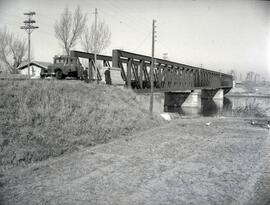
(250, 110)
(40, 119)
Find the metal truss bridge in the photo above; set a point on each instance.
(168, 76)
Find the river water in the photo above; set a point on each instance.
(229, 106)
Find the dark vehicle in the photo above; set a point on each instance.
(64, 66)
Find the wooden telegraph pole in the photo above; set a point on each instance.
(29, 28)
(152, 65)
(95, 44)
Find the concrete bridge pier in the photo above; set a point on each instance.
(193, 100)
(190, 99)
(213, 94)
(219, 103)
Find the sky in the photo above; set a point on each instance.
(219, 35)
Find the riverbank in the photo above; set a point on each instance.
(199, 161)
(250, 89)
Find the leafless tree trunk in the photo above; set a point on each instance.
(12, 50)
(69, 28)
(233, 73)
(102, 38)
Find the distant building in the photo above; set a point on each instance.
(35, 68)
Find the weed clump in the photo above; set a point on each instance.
(251, 110)
(41, 119)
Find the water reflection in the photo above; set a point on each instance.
(229, 106)
(211, 107)
(207, 107)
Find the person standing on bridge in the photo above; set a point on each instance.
(108, 79)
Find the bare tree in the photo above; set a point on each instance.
(249, 76)
(12, 50)
(102, 38)
(233, 73)
(69, 28)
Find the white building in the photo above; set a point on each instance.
(35, 68)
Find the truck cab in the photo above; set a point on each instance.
(64, 66)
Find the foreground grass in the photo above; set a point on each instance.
(41, 119)
(185, 162)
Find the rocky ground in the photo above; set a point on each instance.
(188, 161)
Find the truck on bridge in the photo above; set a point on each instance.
(64, 66)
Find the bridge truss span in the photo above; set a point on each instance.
(168, 76)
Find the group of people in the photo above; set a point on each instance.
(107, 74)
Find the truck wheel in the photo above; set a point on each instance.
(59, 75)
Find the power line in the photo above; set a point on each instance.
(133, 18)
(115, 10)
(10, 14)
(142, 42)
(131, 27)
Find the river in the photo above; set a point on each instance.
(229, 106)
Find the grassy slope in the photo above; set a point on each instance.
(40, 119)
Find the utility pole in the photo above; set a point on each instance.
(257, 76)
(152, 65)
(95, 44)
(165, 56)
(29, 28)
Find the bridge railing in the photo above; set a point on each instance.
(168, 75)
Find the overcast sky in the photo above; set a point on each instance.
(221, 35)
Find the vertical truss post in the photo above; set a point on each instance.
(141, 74)
(115, 58)
(129, 64)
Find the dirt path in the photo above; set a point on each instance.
(184, 162)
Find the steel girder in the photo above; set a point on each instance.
(168, 75)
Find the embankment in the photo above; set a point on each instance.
(41, 119)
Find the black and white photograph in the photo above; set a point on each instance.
(134, 102)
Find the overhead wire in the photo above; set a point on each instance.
(127, 19)
(115, 9)
(40, 28)
(116, 12)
